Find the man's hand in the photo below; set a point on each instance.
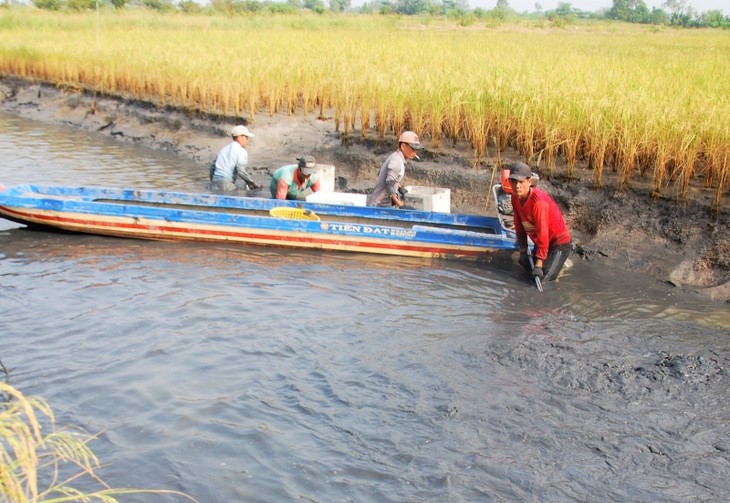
(537, 272)
(254, 186)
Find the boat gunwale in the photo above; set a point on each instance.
(156, 211)
(214, 202)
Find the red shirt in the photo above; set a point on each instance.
(540, 218)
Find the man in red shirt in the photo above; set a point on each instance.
(537, 216)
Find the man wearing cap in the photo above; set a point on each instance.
(538, 216)
(231, 163)
(288, 182)
(393, 170)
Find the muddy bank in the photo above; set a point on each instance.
(677, 243)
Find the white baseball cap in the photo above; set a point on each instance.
(241, 131)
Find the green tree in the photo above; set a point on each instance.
(411, 7)
(382, 6)
(249, 6)
(223, 6)
(282, 8)
(564, 9)
(562, 15)
(48, 4)
(119, 4)
(79, 5)
(714, 19)
(159, 5)
(314, 5)
(340, 5)
(502, 10)
(658, 16)
(454, 8)
(188, 6)
(633, 11)
(680, 13)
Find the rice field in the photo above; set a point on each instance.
(628, 102)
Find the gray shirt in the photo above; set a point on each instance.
(389, 179)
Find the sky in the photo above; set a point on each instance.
(596, 5)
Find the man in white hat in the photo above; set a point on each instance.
(386, 192)
(231, 163)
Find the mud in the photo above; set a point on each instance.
(680, 243)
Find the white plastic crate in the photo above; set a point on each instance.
(345, 198)
(429, 198)
(326, 174)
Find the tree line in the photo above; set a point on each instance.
(671, 13)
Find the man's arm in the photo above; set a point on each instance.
(282, 188)
(542, 228)
(390, 186)
(519, 228)
(246, 178)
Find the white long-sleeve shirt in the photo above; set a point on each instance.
(232, 160)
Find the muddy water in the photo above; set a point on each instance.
(256, 375)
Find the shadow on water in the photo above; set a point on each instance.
(259, 375)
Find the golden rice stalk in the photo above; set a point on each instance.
(690, 150)
(626, 154)
(723, 178)
(27, 456)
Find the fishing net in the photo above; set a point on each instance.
(294, 213)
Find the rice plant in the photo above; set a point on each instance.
(626, 101)
(40, 464)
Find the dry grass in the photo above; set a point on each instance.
(633, 100)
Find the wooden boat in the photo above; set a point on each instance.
(162, 215)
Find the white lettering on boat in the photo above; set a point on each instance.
(370, 230)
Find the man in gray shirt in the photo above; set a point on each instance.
(392, 172)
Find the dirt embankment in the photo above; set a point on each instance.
(679, 243)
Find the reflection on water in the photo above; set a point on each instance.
(50, 154)
(251, 374)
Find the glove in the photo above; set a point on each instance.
(537, 272)
(524, 261)
(402, 191)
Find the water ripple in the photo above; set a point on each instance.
(257, 375)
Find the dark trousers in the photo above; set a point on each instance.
(555, 260)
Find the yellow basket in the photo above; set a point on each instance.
(294, 213)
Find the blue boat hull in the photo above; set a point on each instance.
(162, 215)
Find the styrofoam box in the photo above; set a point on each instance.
(345, 198)
(326, 175)
(429, 198)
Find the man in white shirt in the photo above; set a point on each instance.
(231, 163)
